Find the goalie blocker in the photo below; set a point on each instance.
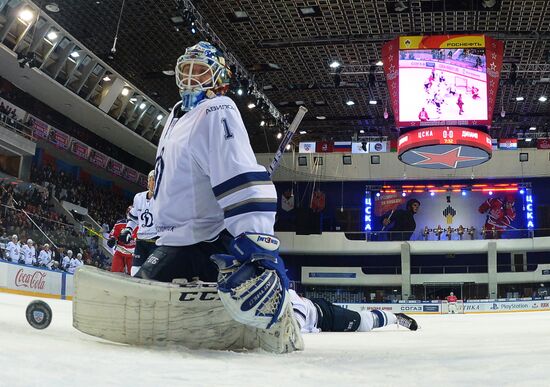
(142, 312)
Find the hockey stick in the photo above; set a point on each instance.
(286, 139)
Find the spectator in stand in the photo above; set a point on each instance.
(13, 250)
(29, 253)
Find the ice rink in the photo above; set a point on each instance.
(508, 349)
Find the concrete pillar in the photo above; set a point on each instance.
(25, 168)
(492, 268)
(405, 270)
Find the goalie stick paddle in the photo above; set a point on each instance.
(286, 139)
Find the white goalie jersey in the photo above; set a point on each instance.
(207, 177)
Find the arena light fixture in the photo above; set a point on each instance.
(321, 117)
(334, 65)
(142, 105)
(251, 105)
(75, 54)
(159, 117)
(542, 98)
(52, 7)
(303, 132)
(287, 147)
(380, 63)
(350, 103)
(533, 128)
(362, 131)
(239, 91)
(125, 91)
(279, 136)
(373, 102)
(52, 35)
(133, 100)
(106, 78)
(26, 15)
(519, 99)
(311, 11)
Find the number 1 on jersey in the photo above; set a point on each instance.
(227, 132)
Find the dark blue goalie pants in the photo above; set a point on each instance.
(333, 318)
(190, 262)
(144, 248)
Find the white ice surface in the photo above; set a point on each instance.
(508, 349)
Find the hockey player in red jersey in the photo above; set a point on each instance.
(122, 258)
(500, 214)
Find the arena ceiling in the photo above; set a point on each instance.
(288, 45)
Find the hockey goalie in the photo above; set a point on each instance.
(215, 279)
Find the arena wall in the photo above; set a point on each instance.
(36, 282)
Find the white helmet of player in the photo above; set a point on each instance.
(151, 181)
(29, 241)
(14, 237)
(70, 253)
(200, 70)
(79, 256)
(46, 246)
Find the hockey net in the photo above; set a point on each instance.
(452, 307)
(461, 82)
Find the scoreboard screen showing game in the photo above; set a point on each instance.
(442, 80)
(442, 85)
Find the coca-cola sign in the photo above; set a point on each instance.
(36, 280)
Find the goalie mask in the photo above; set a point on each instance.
(201, 72)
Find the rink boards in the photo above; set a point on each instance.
(31, 281)
(37, 282)
(470, 307)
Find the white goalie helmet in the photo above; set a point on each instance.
(200, 69)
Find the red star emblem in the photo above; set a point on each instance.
(450, 158)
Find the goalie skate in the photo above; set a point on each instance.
(142, 312)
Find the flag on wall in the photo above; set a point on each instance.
(306, 147)
(378, 146)
(323, 147)
(342, 146)
(360, 147)
(508, 143)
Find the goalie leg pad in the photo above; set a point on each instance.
(134, 311)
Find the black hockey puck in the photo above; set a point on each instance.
(39, 314)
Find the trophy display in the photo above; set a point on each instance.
(449, 233)
(460, 231)
(425, 233)
(438, 231)
(471, 232)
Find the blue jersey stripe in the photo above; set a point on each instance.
(239, 180)
(251, 207)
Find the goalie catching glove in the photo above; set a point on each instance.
(252, 282)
